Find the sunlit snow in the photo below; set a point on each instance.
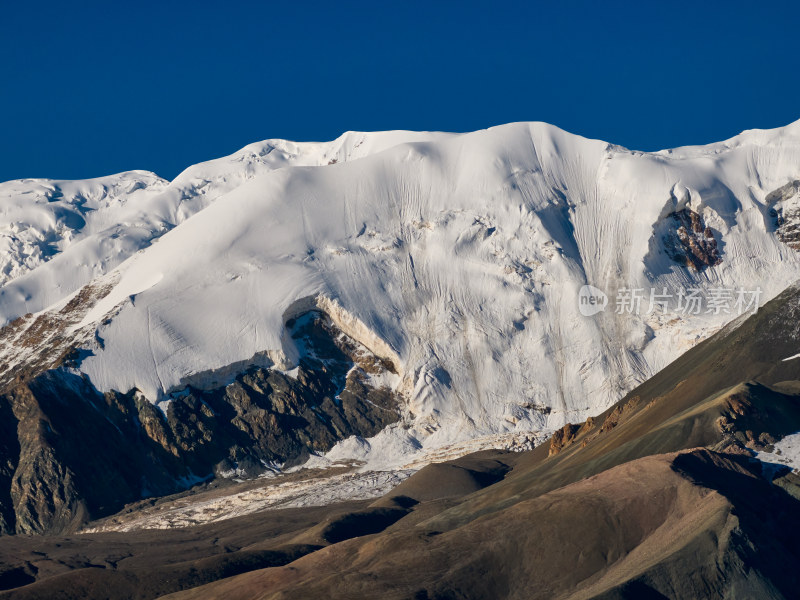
(457, 257)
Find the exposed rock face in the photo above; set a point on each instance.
(620, 413)
(569, 434)
(784, 205)
(32, 344)
(690, 241)
(9, 451)
(562, 437)
(69, 453)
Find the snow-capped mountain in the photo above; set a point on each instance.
(458, 259)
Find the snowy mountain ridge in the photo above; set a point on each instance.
(457, 257)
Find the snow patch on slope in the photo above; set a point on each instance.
(786, 453)
(273, 494)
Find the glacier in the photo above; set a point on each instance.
(457, 257)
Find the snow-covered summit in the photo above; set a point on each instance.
(458, 256)
(123, 213)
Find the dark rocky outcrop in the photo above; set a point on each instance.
(69, 453)
(690, 242)
(784, 210)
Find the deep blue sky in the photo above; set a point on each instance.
(92, 88)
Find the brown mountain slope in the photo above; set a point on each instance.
(686, 525)
(658, 497)
(145, 564)
(607, 508)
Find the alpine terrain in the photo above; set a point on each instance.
(410, 344)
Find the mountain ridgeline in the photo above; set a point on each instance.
(385, 296)
(457, 258)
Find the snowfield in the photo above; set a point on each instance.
(786, 453)
(319, 491)
(459, 257)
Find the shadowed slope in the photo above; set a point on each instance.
(657, 497)
(648, 525)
